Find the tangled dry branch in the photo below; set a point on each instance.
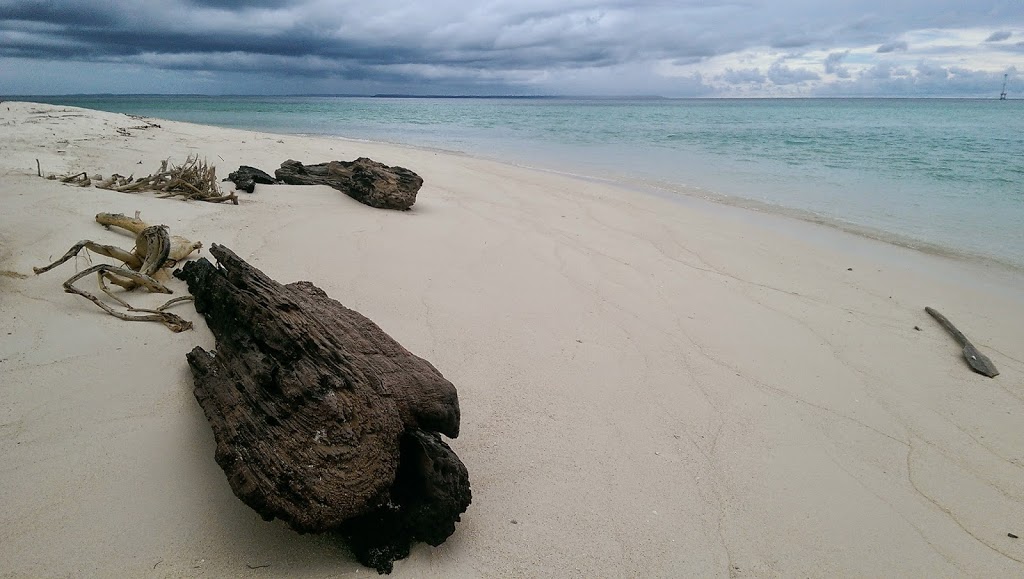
(154, 250)
(193, 179)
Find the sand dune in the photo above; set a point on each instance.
(649, 386)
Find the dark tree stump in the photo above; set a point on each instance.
(321, 419)
(365, 180)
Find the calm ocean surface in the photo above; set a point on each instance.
(944, 175)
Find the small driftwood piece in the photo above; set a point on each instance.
(113, 182)
(320, 418)
(78, 179)
(979, 362)
(154, 249)
(147, 124)
(246, 178)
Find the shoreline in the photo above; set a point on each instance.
(988, 252)
(806, 221)
(693, 194)
(648, 387)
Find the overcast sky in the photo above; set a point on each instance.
(575, 47)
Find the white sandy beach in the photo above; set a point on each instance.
(649, 387)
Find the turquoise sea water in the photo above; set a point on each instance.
(941, 174)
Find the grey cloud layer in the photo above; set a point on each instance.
(892, 47)
(495, 42)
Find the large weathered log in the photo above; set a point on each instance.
(321, 419)
(365, 180)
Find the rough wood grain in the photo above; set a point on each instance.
(321, 419)
(365, 180)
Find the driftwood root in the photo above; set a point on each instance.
(154, 250)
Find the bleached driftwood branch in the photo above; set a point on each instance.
(154, 250)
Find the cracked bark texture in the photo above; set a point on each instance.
(364, 180)
(320, 418)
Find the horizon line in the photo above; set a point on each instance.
(499, 97)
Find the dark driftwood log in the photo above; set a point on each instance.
(979, 362)
(246, 178)
(365, 180)
(321, 419)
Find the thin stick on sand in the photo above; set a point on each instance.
(978, 361)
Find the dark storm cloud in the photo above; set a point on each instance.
(545, 43)
(57, 13)
(105, 37)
